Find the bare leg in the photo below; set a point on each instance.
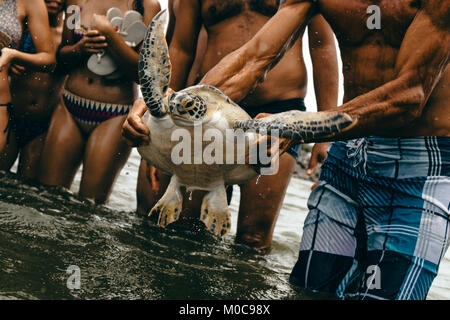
(192, 203)
(30, 157)
(146, 196)
(260, 205)
(4, 118)
(106, 154)
(9, 152)
(63, 150)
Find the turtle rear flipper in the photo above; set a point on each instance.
(214, 211)
(169, 206)
(154, 66)
(301, 126)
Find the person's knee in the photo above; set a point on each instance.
(258, 239)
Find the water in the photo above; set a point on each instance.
(121, 256)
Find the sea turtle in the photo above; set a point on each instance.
(187, 109)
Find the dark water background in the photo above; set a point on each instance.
(45, 230)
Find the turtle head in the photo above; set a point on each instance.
(185, 106)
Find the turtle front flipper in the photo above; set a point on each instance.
(169, 206)
(301, 126)
(214, 211)
(154, 66)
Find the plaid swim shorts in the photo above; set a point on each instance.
(379, 220)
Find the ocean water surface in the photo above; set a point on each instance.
(45, 230)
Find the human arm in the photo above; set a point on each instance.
(38, 25)
(135, 132)
(241, 71)
(182, 50)
(183, 44)
(172, 21)
(391, 108)
(125, 57)
(422, 59)
(71, 52)
(323, 53)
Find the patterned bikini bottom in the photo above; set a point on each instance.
(90, 113)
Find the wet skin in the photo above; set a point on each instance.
(102, 150)
(369, 58)
(34, 95)
(35, 13)
(229, 25)
(396, 78)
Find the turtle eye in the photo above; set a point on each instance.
(180, 109)
(189, 104)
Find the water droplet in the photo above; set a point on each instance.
(190, 195)
(257, 179)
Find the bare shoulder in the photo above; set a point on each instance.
(151, 8)
(152, 5)
(30, 5)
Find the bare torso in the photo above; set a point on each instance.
(230, 24)
(82, 81)
(5, 95)
(36, 94)
(369, 56)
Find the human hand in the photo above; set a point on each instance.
(17, 69)
(273, 145)
(102, 24)
(134, 130)
(283, 143)
(92, 42)
(7, 56)
(262, 115)
(318, 155)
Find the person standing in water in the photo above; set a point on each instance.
(229, 25)
(86, 128)
(34, 95)
(379, 220)
(14, 16)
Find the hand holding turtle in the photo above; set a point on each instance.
(283, 143)
(134, 130)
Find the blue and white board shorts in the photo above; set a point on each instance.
(378, 224)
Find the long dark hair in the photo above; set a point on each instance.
(138, 6)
